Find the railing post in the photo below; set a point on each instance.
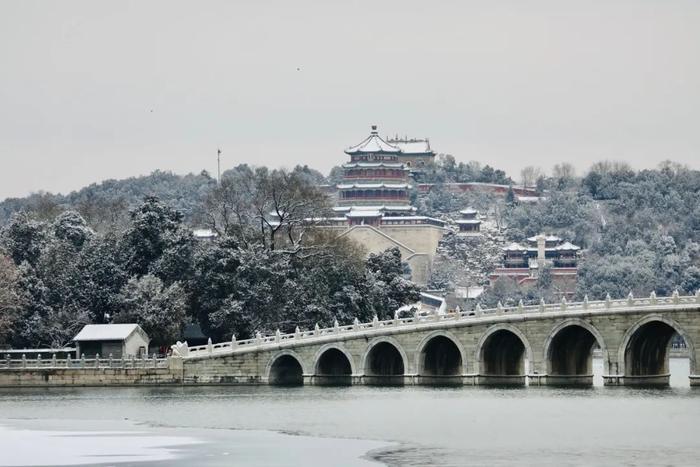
(563, 303)
(676, 297)
(521, 306)
(652, 298)
(133, 361)
(336, 325)
(144, 358)
(110, 360)
(7, 360)
(543, 305)
(97, 360)
(297, 333)
(630, 299)
(697, 296)
(53, 361)
(477, 310)
(585, 302)
(233, 340)
(375, 321)
(82, 361)
(210, 347)
(69, 363)
(155, 360)
(317, 330)
(38, 360)
(356, 323)
(396, 318)
(24, 361)
(608, 301)
(499, 308)
(278, 335)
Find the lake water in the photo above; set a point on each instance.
(353, 426)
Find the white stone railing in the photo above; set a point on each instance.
(41, 362)
(606, 306)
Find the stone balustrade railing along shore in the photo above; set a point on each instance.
(82, 363)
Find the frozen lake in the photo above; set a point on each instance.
(313, 426)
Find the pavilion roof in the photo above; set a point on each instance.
(567, 246)
(412, 146)
(371, 186)
(514, 247)
(373, 143)
(390, 165)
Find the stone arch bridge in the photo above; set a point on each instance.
(546, 344)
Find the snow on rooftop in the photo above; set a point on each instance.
(374, 208)
(468, 211)
(514, 247)
(528, 199)
(364, 213)
(412, 146)
(373, 143)
(548, 238)
(106, 332)
(370, 186)
(391, 165)
(203, 233)
(468, 221)
(568, 246)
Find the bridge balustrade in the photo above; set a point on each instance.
(182, 350)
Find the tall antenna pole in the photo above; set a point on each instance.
(218, 166)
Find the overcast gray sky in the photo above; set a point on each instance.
(91, 90)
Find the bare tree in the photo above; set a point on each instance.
(529, 175)
(564, 170)
(273, 208)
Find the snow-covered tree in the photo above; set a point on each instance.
(11, 299)
(157, 308)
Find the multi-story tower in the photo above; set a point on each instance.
(375, 177)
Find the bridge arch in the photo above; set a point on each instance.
(644, 350)
(501, 351)
(285, 368)
(568, 349)
(384, 356)
(440, 353)
(333, 360)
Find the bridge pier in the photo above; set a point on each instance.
(501, 380)
(638, 380)
(560, 380)
(694, 380)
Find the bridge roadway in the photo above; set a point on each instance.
(546, 344)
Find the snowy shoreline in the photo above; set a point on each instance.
(109, 442)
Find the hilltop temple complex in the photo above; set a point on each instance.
(523, 263)
(374, 207)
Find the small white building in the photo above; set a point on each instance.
(119, 340)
